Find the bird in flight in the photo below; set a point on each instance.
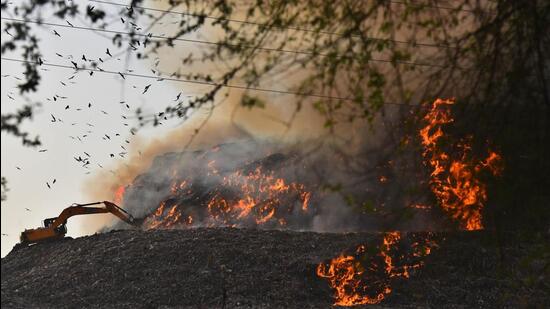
(146, 88)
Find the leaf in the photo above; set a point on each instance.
(251, 102)
(329, 123)
(319, 106)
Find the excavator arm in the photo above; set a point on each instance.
(55, 228)
(120, 213)
(84, 210)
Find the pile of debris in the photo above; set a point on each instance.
(243, 268)
(228, 186)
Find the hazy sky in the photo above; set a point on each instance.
(104, 91)
(28, 189)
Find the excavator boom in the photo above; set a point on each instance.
(55, 228)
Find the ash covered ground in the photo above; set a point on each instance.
(244, 268)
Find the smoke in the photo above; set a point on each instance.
(210, 185)
(342, 188)
(228, 124)
(317, 161)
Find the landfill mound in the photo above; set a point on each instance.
(246, 268)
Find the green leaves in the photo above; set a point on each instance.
(319, 106)
(329, 123)
(94, 14)
(376, 84)
(251, 102)
(400, 56)
(10, 123)
(386, 26)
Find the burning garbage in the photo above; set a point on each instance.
(213, 188)
(365, 276)
(454, 176)
(256, 198)
(209, 194)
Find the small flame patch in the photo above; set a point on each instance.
(119, 195)
(364, 277)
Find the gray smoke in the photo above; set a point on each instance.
(338, 200)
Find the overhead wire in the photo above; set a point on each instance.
(263, 24)
(210, 42)
(156, 77)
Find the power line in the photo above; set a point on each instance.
(263, 24)
(301, 94)
(210, 42)
(421, 5)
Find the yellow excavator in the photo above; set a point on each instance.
(55, 228)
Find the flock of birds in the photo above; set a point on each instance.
(90, 65)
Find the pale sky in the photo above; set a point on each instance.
(28, 189)
(28, 186)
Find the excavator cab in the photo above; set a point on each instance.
(48, 222)
(56, 228)
(62, 229)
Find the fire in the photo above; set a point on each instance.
(454, 177)
(165, 217)
(119, 195)
(238, 199)
(420, 206)
(344, 276)
(361, 278)
(261, 198)
(305, 200)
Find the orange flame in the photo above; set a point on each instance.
(262, 197)
(344, 277)
(167, 218)
(420, 206)
(454, 180)
(119, 195)
(355, 284)
(259, 197)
